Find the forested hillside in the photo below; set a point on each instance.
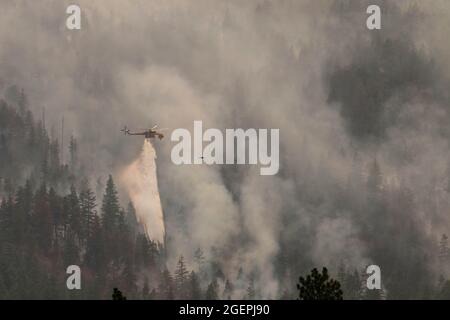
(51, 217)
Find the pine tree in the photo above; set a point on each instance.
(211, 291)
(181, 277)
(117, 295)
(87, 211)
(319, 286)
(95, 250)
(72, 209)
(110, 206)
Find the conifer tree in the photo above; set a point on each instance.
(117, 295)
(319, 286)
(72, 209)
(211, 291)
(95, 248)
(181, 277)
(110, 206)
(87, 211)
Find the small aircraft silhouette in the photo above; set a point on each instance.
(148, 133)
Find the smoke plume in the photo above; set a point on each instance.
(344, 98)
(141, 182)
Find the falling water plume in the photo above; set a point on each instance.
(140, 180)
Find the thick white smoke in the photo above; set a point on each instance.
(246, 64)
(141, 182)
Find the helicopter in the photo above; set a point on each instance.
(147, 133)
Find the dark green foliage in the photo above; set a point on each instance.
(319, 286)
(46, 224)
(110, 206)
(50, 218)
(211, 292)
(117, 295)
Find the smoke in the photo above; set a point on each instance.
(342, 97)
(141, 182)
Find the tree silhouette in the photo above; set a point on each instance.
(117, 295)
(110, 206)
(181, 278)
(319, 286)
(211, 291)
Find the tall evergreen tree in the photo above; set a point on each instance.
(181, 277)
(95, 256)
(87, 210)
(110, 206)
(212, 291)
(72, 208)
